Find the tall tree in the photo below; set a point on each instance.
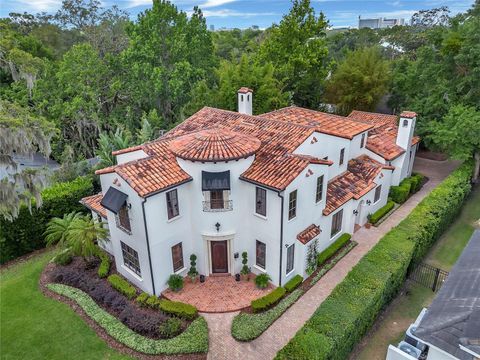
(359, 82)
(298, 49)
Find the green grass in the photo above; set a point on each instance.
(36, 327)
(406, 307)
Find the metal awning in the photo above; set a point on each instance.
(215, 180)
(114, 199)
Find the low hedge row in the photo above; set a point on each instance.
(332, 249)
(400, 193)
(347, 314)
(105, 262)
(267, 301)
(380, 213)
(122, 285)
(293, 283)
(193, 340)
(25, 233)
(416, 181)
(179, 309)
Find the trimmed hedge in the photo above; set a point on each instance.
(347, 314)
(246, 327)
(122, 286)
(267, 301)
(104, 267)
(177, 308)
(25, 233)
(400, 193)
(416, 181)
(332, 249)
(293, 283)
(193, 340)
(380, 213)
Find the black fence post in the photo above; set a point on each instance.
(437, 273)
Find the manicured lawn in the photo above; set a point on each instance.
(36, 327)
(404, 310)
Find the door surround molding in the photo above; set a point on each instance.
(222, 236)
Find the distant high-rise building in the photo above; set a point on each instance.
(379, 23)
(212, 27)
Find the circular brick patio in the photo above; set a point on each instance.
(218, 294)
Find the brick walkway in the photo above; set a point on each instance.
(218, 294)
(223, 346)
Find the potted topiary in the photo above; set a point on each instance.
(368, 224)
(245, 272)
(175, 282)
(262, 280)
(192, 273)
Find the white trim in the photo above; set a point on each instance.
(261, 216)
(259, 268)
(174, 218)
(181, 270)
(131, 272)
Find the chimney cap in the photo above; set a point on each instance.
(408, 114)
(244, 90)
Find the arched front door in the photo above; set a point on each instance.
(219, 253)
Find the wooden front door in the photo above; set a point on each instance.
(219, 256)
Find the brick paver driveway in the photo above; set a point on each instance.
(223, 346)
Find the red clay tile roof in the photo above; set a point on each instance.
(322, 122)
(408, 114)
(215, 144)
(308, 234)
(127, 150)
(93, 203)
(244, 90)
(353, 183)
(374, 118)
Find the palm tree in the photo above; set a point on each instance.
(58, 228)
(83, 235)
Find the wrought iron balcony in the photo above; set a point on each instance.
(217, 205)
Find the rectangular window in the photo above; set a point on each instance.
(261, 201)
(318, 196)
(172, 204)
(362, 142)
(336, 223)
(123, 221)
(292, 205)
(378, 191)
(216, 199)
(130, 258)
(342, 156)
(261, 254)
(177, 257)
(290, 258)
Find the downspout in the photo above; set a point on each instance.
(148, 245)
(281, 239)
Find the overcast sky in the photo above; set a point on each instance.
(244, 13)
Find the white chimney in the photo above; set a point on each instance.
(406, 127)
(245, 100)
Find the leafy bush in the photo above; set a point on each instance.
(170, 328)
(246, 327)
(193, 340)
(24, 234)
(185, 311)
(122, 285)
(332, 249)
(293, 283)
(380, 213)
(400, 193)
(262, 280)
(64, 258)
(347, 314)
(175, 282)
(245, 269)
(153, 302)
(268, 301)
(416, 181)
(104, 267)
(142, 299)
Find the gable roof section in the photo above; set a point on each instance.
(93, 203)
(357, 181)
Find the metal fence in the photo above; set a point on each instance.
(429, 276)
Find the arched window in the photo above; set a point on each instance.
(241, 97)
(405, 123)
(248, 97)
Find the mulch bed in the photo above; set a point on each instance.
(431, 155)
(45, 278)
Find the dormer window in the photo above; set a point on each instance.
(405, 123)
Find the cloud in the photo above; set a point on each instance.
(223, 13)
(32, 6)
(214, 3)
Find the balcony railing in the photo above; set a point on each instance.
(218, 205)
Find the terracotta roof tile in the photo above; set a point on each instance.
(308, 234)
(408, 114)
(244, 90)
(93, 203)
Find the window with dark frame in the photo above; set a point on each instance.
(261, 201)
(405, 123)
(319, 193)
(261, 251)
(292, 205)
(336, 223)
(378, 192)
(290, 258)
(216, 199)
(130, 258)
(362, 141)
(342, 156)
(177, 257)
(172, 204)
(123, 221)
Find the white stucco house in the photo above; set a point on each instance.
(224, 182)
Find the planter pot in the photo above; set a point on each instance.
(245, 277)
(193, 279)
(202, 278)
(237, 277)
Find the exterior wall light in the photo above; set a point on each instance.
(369, 202)
(217, 225)
(355, 212)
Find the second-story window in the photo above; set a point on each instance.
(378, 192)
(261, 201)
(336, 223)
(292, 205)
(362, 141)
(172, 204)
(216, 199)
(123, 221)
(319, 194)
(342, 156)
